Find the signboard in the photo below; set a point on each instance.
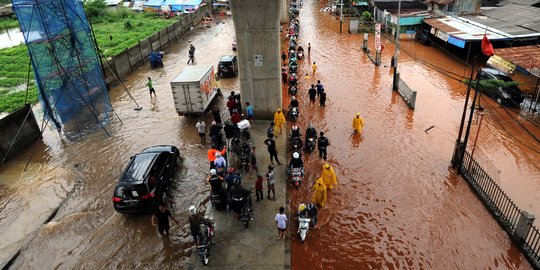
(258, 60)
(456, 41)
(501, 64)
(208, 83)
(378, 36)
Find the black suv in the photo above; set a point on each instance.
(141, 186)
(510, 96)
(228, 66)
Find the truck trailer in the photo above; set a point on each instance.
(194, 89)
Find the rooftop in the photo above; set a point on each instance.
(527, 57)
(515, 20)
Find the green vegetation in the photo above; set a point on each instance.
(490, 86)
(115, 30)
(8, 22)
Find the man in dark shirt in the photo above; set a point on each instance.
(320, 88)
(162, 217)
(195, 220)
(272, 149)
(322, 99)
(312, 93)
(322, 144)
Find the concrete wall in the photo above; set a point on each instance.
(10, 125)
(256, 25)
(127, 61)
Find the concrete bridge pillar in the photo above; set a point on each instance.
(256, 24)
(284, 18)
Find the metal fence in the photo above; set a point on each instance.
(505, 211)
(532, 243)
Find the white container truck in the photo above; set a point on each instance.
(194, 89)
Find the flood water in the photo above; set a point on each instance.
(399, 205)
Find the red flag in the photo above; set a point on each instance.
(487, 47)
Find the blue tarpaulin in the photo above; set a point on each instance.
(183, 5)
(154, 3)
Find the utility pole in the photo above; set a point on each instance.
(341, 17)
(395, 85)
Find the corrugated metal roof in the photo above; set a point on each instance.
(527, 57)
(516, 20)
(464, 29)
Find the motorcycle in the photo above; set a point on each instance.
(310, 145)
(244, 126)
(293, 90)
(303, 228)
(296, 175)
(205, 242)
(243, 158)
(293, 114)
(296, 144)
(246, 214)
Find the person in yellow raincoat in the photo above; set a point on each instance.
(319, 195)
(329, 176)
(357, 123)
(279, 121)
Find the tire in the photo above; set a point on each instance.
(205, 259)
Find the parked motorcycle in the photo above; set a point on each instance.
(303, 228)
(310, 145)
(205, 242)
(296, 175)
(246, 214)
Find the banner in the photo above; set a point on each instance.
(378, 36)
(501, 64)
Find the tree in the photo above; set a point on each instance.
(94, 8)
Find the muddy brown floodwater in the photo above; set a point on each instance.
(87, 233)
(399, 204)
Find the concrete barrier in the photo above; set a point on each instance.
(127, 61)
(17, 131)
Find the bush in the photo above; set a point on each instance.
(127, 25)
(490, 86)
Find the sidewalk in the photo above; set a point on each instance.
(255, 247)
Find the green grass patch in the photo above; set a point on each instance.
(13, 101)
(115, 31)
(8, 22)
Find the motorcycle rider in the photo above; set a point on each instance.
(311, 132)
(195, 220)
(220, 164)
(295, 131)
(296, 162)
(212, 154)
(215, 181)
(310, 211)
(231, 177)
(294, 104)
(238, 197)
(215, 133)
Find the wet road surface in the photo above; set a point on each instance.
(399, 204)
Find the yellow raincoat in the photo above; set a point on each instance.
(357, 123)
(329, 176)
(279, 121)
(319, 195)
